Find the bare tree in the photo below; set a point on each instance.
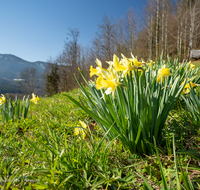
(148, 20)
(103, 43)
(180, 12)
(167, 6)
(69, 60)
(194, 7)
(30, 79)
(121, 38)
(131, 31)
(73, 56)
(157, 23)
(166, 10)
(185, 32)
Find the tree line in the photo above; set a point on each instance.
(165, 27)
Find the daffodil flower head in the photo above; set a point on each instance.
(130, 60)
(111, 86)
(80, 130)
(119, 65)
(98, 69)
(159, 79)
(99, 82)
(2, 99)
(164, 71)
(125, 65)
(94, 71)
(190, 84)
(185, 91)
(136, 62)
(149, 64)
(34, 98)
(192, 66)
(109, 81)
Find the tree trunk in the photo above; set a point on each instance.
(157, 15)
(181, 33)
(166, 35)
(192, 20)
(163, 11)
(185, 37)
(178, 38)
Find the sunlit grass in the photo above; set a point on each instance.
(196, 63)
(42, 152)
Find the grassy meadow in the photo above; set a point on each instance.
(43, 152)
(197, 63)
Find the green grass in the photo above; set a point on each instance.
(42, 152)
(196, 63)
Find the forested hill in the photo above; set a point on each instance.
(10, 68)
(12, 65)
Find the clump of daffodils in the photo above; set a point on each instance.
(112, 77)
(2, 99)
(34, 98)
(188, 86)
(12, 110)
(128, 114)
(150, 63)
(109, 79)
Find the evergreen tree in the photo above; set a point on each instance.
(53, 80)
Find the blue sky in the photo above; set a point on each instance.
(36, 29)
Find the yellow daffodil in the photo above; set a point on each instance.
(109, 80)
(185, 91)
(149, 64)
(192, 85)
(119, 66)
(136, 62)
(187, 87)
(94, 71)
(34, 98)
(192, 66)
(99, 83)
(164, 72)
(81, 130)
(159, 79)
(2, 99)
(98, 69)
(125, 65)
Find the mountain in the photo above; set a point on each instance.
(10, 68)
